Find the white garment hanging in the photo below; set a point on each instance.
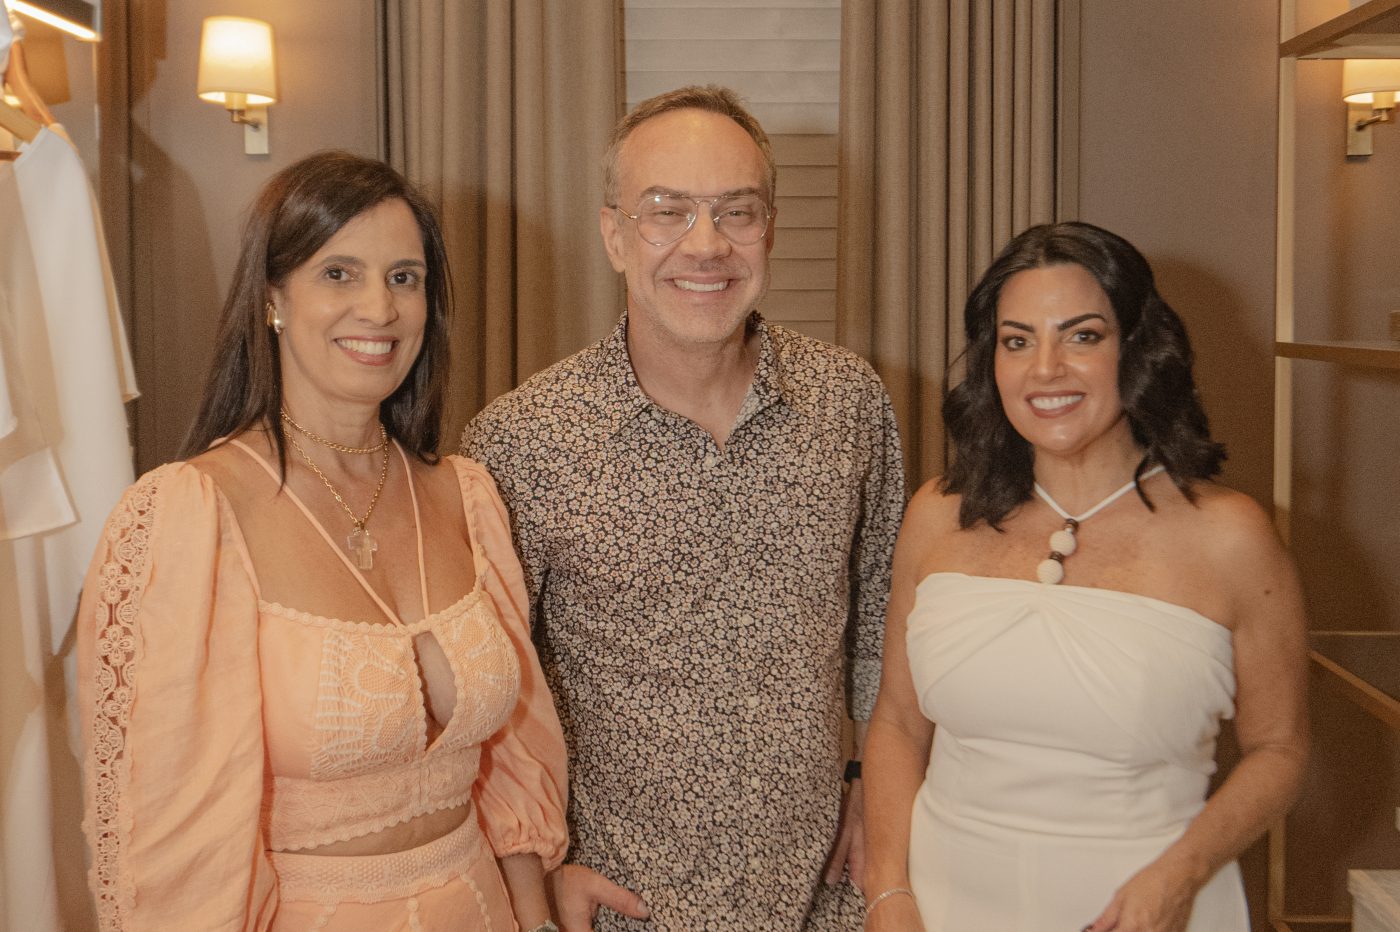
(33, 496)
(8, 421)
(67, 372)
(69, 334)
(11, 31)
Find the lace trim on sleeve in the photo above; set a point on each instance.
(117, 655)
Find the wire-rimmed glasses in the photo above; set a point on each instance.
(662, 219)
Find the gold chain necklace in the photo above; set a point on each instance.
(359, 542)
(339, 447)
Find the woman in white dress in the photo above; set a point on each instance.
(1076, 606)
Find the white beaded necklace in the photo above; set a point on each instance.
(1051, 570)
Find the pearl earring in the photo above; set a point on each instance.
(273, 320)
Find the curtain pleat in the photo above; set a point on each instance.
(501, 109)
(946, 151)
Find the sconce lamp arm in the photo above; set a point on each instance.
(1384, 115)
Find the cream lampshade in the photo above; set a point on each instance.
(236, 63)
(1371, 81)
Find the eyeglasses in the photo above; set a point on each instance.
(662, 219)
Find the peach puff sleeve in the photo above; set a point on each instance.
(171, 714)
(522, 790)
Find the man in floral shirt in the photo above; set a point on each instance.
(705, 506)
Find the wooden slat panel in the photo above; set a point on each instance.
(806, 181)
(783, 59)
(791, 149)
(758, 22)
(797, 118)
(736, 55)
(799, 305)
(767, 87)
(731, 4)
(804, 274)
(805, 212)
(818, 329)
(804, 244)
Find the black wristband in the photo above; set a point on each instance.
(852, 771)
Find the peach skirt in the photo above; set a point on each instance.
(452, 883)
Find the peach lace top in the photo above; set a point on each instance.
(219, 725)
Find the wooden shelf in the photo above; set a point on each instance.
(1312, 924)
(1372, 30)
(1364, 666)
(1375, 354)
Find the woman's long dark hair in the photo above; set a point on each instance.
(993, 465)
(298, 211)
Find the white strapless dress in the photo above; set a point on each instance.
(1075, 739)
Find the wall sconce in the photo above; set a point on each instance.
(237, 70)
(1368, 87)
(75, 17)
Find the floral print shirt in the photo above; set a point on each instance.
(700, 614)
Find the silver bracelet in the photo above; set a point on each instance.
(870, 907)
(546, 926)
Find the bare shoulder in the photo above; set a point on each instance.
(439, 479)
(1235, 526)
(235, 473)
(930, 518)
(1243, 553)
(932, 512)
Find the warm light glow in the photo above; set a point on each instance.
(236, 66)
(1371, 81)
(53, 19)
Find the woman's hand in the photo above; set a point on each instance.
(897, 913)
(1155, 899)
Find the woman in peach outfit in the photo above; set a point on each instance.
(309, 692)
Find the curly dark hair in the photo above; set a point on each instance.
(993, 465)
(298, 211)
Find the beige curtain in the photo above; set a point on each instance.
(947, 150)
(501, 109)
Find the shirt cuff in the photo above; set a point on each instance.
(864, 686)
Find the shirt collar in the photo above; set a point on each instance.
(623, 398)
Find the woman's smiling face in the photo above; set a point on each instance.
(1057, 359)
(354, 313)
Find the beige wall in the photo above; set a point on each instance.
(188, 181)
(1177, 139)
(1178, 136)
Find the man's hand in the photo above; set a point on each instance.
(849, 850)
(576, 892)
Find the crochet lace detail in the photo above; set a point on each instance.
(301, 813)
(120, 584)
(373, 765)
(375, 878)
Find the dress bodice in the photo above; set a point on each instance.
(345, 707)
(347, 736)
(1067, 709)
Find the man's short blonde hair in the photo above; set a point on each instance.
(711, 98)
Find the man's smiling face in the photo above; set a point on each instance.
(700, 289)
